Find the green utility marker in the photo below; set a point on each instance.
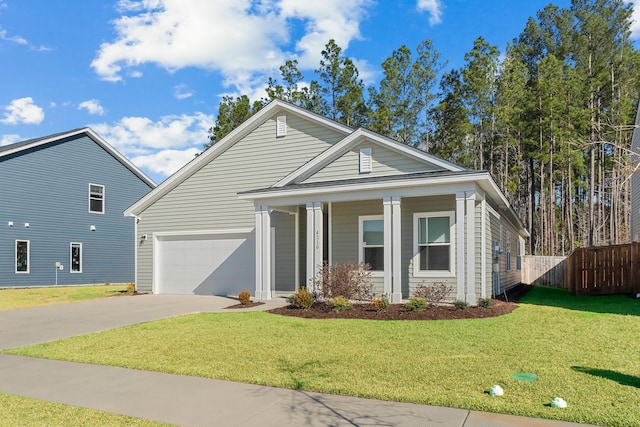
(524, 376)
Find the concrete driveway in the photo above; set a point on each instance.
(41, 324)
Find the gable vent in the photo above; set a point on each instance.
(281, 126)
(365, 160)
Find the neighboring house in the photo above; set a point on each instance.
(288, 190)
(635, 181)
(61, 203)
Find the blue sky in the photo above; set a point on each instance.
(148, 75)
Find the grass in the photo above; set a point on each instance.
(584, 350)
(14, 299)
(26, 412)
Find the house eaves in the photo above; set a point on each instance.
(225, 143)
(18, 147)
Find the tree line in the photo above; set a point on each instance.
(550, 118)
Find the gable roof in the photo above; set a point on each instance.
(18, 147)
(339, 149)
(225, 143)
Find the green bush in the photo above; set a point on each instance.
(381, 303)
(301, 299)
(416, 304)
(485, 302)
(244, 297)
(460, 305)
(339, 303)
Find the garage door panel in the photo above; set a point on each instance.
(206, 265)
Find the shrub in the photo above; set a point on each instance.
(351, 280)
(131, 288)
(485, 302)
(339, 303)
(244, 297)
(416, 304)
(434, 293)
(301, 299)
(381, 303)
(460, 305)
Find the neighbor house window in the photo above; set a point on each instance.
(508, 249)
(433, 241)
(372, 242)
(76, 258)
(22, 256)
(96, 198)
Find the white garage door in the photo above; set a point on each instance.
(218, 264)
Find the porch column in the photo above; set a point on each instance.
(471, 248)
(388, 245)
(263, 253)
(314, 241)
(396, 295)
(460, 197)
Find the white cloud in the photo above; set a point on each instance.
(239, 38)
(14, 39)
(635, 17)
(434, 8)
(161, 146)
(23, 110)
(165, 162)
(10, 138)
(92, 106)
(182, 91)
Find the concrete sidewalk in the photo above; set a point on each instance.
(190, 401)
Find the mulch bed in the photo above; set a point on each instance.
(399, 312)
(248, 305)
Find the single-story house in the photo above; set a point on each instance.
(61, 203)
(289, 190)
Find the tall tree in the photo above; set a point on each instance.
(425, 75)
(231, 114)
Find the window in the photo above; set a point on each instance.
(22, 256)
(76, 258)
(508, 250)
(96, 198)
(433, 241)
(519, 255)
(372, 242)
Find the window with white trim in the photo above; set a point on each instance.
(372, 241)
(433, 243)
(75, 258)
(519, 255)
(22, 256)
(508, 249)
(96, 198)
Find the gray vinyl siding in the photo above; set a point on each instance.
(410, 206)
(513, 276)
(345, 244)
(48, 187)
(208, 199)
(385, 162)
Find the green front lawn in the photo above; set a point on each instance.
(583, 350)
(14, 299)
(25, 412)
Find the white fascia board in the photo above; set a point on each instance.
(187, 233)
(351, 141)
(220, 147)
(387, 186)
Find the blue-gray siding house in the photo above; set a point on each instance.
(61, 203)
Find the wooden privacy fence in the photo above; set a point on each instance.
(605, 270)
(548, 271)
